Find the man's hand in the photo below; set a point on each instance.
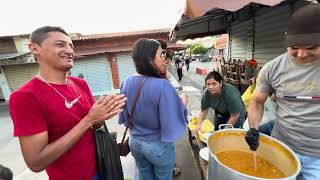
(105, 108)
(252, 138)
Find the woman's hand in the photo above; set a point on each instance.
(198, 127)
(202, 115)
(184, 99)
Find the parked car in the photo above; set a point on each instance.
(204, 58)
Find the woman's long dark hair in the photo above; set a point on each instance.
(143, 53)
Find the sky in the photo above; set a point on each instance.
(88, 16)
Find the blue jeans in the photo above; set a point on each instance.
(310, 168)
(154, 159)
(96, 177)
(267, 128)
(224, 118)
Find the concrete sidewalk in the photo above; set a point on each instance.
(190, 81)
(198, 78)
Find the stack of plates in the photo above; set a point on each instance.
(204, 153)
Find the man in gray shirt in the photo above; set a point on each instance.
(294, 77)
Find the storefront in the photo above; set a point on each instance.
(240, 40)
(96, 71)
(19, 74)
(126, 66)
(269, 33)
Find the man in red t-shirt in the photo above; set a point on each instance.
(53, 113)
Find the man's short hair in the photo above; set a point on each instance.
(163, 44)
(5, 173)
(40, 34)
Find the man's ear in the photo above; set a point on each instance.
(34, 48)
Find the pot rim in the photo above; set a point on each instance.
(268, 137)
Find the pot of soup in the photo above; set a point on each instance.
(231, 159)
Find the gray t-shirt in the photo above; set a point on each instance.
(298, 120)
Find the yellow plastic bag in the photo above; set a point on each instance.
(206, 125)
(192, 125)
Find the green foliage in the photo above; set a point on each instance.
(199, 49)
(191, 46)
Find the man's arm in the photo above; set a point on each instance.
(38, 154)
(233, 118)
(256, 108)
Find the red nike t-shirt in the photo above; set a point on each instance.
(36, 107)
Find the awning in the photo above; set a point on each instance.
(210, 24)
(12, 55)
(209, 17)
(175, 47)
(16, 58)
(196, 8)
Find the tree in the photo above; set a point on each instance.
(199, 49)
(190, 47)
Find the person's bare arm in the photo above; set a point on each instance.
(38, 154)
(256, 108)
(233, 118)
(184, 99)
(202, 115)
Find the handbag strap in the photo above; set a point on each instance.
(132, 109)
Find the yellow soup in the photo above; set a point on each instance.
(244, 162)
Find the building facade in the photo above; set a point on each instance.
(256, 31)
(104, 60)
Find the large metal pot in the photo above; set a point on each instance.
(269, 149)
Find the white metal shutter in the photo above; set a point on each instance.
(269, 34)
(96, 71)
(240, 40)
(126, 66)
(17, 75)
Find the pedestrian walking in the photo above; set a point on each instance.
(179, 66)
